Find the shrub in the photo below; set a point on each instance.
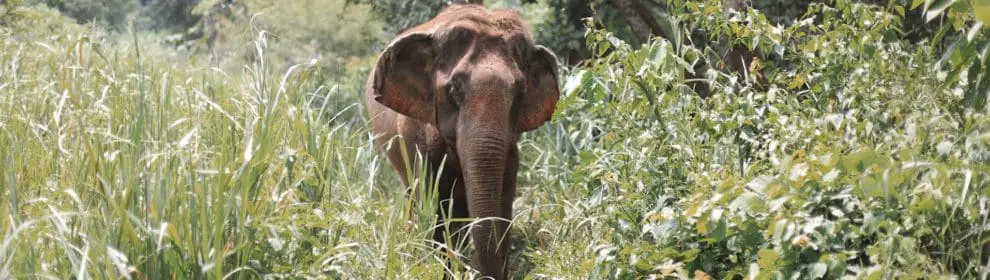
(858, 160)
(35, 21)
(112, 13)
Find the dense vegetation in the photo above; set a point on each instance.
(235, 145)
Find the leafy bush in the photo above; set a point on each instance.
(400, 15)
(29, 21)
(858, 160)
(112, 13)
(328, 32)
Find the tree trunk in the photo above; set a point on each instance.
(647, 15)
(636, 22)
(739, 58)
(576, 11)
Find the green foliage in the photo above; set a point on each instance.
(558, 30)
(856, 160)
(967, 54)
(344, 30)
(400, 15)
(28, 21)
(112, 13)
(329, 33)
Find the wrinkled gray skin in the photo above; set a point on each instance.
(463, 86)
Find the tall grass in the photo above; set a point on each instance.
(119, 161)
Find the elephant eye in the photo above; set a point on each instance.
(455, 93)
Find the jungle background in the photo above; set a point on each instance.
(699, 139)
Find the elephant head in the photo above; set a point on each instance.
(477, 76)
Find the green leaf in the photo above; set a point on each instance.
(817, 270)
(768, 259)
(690, 255)
(749, 202)
(923, 204)
(974, 30)
(938, 9)
(858, 162)
(575, 82)
(702, 224)
(759, 184)
(957, 70)
(871, 187)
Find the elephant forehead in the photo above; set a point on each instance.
(478, 20)
(466, 29)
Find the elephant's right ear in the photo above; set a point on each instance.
(404, 77)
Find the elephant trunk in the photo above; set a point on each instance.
(485, 136)
(484, 160)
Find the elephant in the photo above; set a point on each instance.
(460, 89)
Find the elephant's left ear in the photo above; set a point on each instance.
(403, 77)
(540, 99)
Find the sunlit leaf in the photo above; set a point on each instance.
(938, 8)
(768, 259)
(750, 203)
